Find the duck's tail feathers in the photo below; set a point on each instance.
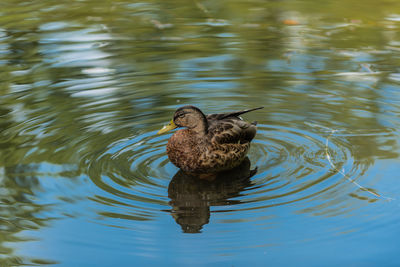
(238, 113)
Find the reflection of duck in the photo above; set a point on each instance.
(209, 144)
(191, 197)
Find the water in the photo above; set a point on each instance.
(85, 180)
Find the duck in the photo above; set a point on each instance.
(208, 144)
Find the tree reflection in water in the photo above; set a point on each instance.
(191, 197)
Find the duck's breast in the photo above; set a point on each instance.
(184, 150)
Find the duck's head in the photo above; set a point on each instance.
(190, 117)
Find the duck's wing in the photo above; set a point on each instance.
(231, 131)
(225, 128)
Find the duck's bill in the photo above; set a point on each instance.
(170, 126)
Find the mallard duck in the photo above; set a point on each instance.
(209, 143)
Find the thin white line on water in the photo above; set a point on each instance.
(328, 157)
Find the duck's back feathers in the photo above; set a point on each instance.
(230, 128)
(231, 131)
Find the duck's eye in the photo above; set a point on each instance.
(181, 116)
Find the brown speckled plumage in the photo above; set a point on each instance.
(209, 144)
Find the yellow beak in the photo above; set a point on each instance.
(170, 126)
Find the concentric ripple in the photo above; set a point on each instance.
(312, 167)
(133, 174)
(298, 165)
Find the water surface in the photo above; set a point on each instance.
(85, 85)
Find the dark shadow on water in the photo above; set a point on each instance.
(191, 197)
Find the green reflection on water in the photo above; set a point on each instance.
(77, 77)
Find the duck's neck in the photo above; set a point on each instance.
(201, 129)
